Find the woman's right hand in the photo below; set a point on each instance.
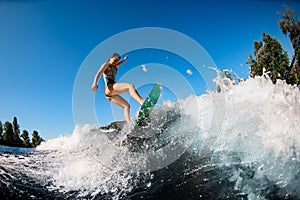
(94, 87)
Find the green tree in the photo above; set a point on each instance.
(8, 136)
(36, 139)
(269, 56)
(25, 137)
(290, 26)
(16, 130)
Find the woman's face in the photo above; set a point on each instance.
(114, 60)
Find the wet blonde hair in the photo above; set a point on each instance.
(115, 55)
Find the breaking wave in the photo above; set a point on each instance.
(242, 142)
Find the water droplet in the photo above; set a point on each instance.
(152, 176)
(149, 184)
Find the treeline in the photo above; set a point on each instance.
(10, 135)
(271, 59)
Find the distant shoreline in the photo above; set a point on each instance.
(15, 150)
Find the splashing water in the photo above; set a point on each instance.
(240, 142)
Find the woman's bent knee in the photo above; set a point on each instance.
(126, 107)
(131, 88)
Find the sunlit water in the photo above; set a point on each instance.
(242, 143)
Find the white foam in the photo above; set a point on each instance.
(255, 119)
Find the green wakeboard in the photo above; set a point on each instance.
(148, 104)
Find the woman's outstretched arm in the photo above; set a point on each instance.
(121, 62)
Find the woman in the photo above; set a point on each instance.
(113, 89)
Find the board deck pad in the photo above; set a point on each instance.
(148, 104)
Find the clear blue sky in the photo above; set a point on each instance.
(44, 42)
